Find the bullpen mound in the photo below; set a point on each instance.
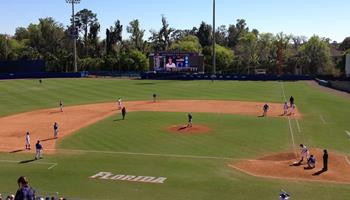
(195, 129)
(283, 166)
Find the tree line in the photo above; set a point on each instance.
(239, 48)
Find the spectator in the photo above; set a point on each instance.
(24, 192)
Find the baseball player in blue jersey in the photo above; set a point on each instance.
(38, 150)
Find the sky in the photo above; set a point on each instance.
(326, 18)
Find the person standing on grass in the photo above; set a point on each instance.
(123, 112)
(154, 97)
(61, 106)
(325, 160)
(24, 192)
(189, 120)
(38, 150)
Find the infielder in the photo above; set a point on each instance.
(27, 141)
(304, 153)
(189, 120)
(119, 104)
(285, 108)
(39, 150)
(265, 109)
(55, 130)
(154, 97)
(61, 106)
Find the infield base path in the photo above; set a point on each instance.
(40, 123)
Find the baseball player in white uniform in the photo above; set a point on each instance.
(304, 153)
(119, 103)
(28, 141)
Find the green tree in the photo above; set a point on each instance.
(224, 58)
(248, 50)
(136, 34)
(204, 34)
(316, 56)
(235, 32)
(113, 37)
(221, 34)
(84, 19)
(187, 44)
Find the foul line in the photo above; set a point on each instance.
(37, 163)
(142, 154)
(285, 178)
(348, 132)
(323, 120)
(347, 159)
(299, 130)
(289, 121)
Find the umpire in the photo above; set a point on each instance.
(123, 112)
(325, 160)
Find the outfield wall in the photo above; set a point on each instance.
(41, 75)
(182, 76)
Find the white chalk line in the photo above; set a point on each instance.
(285, 178)
(348, 133)
(142, 154)
(298, 126)
(323, 120)
(347, 159)
(289, 121)
(36, 163)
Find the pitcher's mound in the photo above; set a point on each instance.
(284, 166)
(189, 130)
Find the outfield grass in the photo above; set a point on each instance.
(233, 137)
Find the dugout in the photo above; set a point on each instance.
(170, 61)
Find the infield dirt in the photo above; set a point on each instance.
(40, 123)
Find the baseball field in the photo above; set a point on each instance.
(231, 152)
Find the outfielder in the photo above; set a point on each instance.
(27, 141)
(55, 130)
(39, 150)
(61, 106)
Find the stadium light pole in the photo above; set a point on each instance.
(214, 42)
(74, 33)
